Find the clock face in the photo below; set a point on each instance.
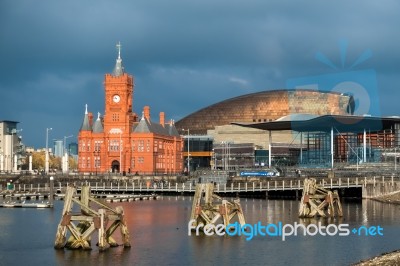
(116, 98)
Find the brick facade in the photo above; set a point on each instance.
(120, 141)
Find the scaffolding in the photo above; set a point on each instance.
(230, 156)
(348, 148)
(328, 140)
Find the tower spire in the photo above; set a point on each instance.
(119, 50)
(119, 68)
(86, 123)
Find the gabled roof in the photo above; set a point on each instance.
(145, 126)
(172, 130)
(142, 127)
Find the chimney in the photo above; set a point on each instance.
(146, 111)
(162, 118)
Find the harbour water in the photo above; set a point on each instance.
(159, 236)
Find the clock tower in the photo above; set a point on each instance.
(118, 88)
(119, 142)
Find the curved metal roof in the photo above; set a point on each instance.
(267, 106)
(343, 123)
(296, 117)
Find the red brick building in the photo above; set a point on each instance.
(120, 141)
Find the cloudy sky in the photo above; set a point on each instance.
(184, 54)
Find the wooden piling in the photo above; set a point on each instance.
(209, 208)
(89, 221)
(318, 201)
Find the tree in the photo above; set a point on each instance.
(55, 162)
(38, 160)
(73, 165)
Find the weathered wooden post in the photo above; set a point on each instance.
(65, 219)
(83, 225)
(101, 232)
(316, 200)
(124, 228)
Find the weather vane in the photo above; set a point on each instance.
(119, 49)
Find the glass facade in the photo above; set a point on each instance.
(200, 149)
(198, 144)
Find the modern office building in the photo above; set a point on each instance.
(73, 148)
(58, 148)
(199, 155)
(121, 141)
(10, 146)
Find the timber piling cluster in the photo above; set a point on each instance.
(82, 225)
(209, 208)
(318, 201)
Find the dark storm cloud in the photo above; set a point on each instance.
(185, 55)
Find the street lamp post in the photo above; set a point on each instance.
(188, 150)
(224, 145)
(95, 160)
(47, 150)
(65, 142)
(120, 152)
(155, 163)
(215, 158)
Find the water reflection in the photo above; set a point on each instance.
(158, 234)
(113, 256)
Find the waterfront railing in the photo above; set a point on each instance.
(122, 187)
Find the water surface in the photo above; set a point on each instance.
(159, 236)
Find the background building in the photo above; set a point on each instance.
(266, 106)
(73, 148)
(215, 121)
(120, 141)
(11, 147)
(337, 140)
(230, 156)
(59, 148)
(199, 155)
